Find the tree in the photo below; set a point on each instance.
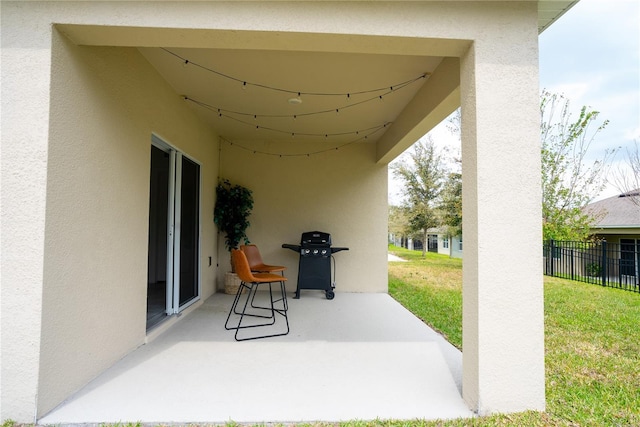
(627, 177)
(398, 224)
(451, 206)
(423, 178)
(568, 183)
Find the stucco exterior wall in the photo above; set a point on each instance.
(340, 192)
(105, 104)
(503, 330)
(26, 68)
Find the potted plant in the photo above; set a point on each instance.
(231, 214)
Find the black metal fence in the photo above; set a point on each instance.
(607, 264)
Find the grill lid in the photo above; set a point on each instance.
(315, 238)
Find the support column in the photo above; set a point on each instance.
(25, 126)
(503, 318)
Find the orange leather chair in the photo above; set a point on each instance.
(250, 316)
(255, 261)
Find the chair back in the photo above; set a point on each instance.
(241, 266)
(253, 255)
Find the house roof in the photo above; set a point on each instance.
(618, 211)
(549, 11)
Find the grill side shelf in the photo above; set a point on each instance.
(338, 249)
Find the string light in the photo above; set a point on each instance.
(325, 135)
(308, 154)
(294, 116)
(299, 93)
(360, 134)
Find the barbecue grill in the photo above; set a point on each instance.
(314, 267)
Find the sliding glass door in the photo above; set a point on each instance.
(189, 242)
(174, 233)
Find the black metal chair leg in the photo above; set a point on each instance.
(244, 273)
(253, 288)
(274, 310)
(253, 296)
(234, 305)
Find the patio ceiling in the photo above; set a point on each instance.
(240, 91)
(245, 93)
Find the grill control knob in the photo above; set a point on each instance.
(315, 251)
(306, 251)
(324, 252)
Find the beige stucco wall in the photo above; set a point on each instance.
(26, 60)
(503, 329)
(105, 104)
(341, 192)
(45, 286)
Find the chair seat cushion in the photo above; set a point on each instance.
(268, 277)
(267, 268)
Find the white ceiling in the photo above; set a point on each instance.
(213, 81)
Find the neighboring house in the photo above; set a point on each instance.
(617, 217)
(118, 118)
(442, 243)
(612, 257)
(618, 223)
(449, 245)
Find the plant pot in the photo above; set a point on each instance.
(231, 283)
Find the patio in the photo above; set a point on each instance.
(359, 356)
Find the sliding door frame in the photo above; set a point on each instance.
(174, 228)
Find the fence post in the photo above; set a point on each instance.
(552, 253)
(604, 263)
(573, 259)
(545, 255)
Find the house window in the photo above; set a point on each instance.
(460, 244)
(445, 242)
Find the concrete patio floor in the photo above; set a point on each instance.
(358, 356)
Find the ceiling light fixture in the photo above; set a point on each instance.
(295, 101)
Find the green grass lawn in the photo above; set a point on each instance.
(591, 338)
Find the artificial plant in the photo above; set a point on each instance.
(231, 214)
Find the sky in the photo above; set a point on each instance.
(591, 55)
